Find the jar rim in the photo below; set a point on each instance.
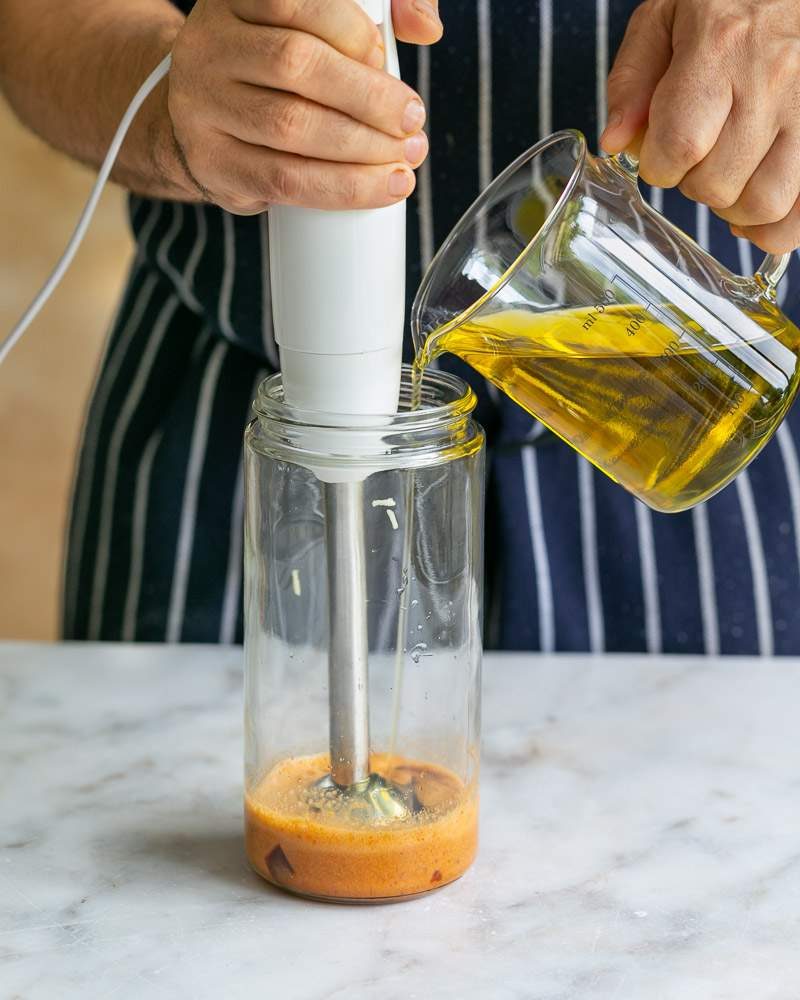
(444, 398)
(337, 447)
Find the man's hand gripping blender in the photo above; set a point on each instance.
(338, 299)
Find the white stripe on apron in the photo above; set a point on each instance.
(194, 473)
(758, 565)
(702, 534)
(485, 167)
(755, 544)
(528, 455)
(545, 67)
(228, 271)
(602, 67)
(267, 329)
(126, 413)
(647, 558)
(138, 533)
(591, 568)
(107, 374)
(233, 576)
(199, 248)
(162, 257)
(792, 465)
(485, 139)
(425, 184)
(648, 564)
(705, 580)
(544, 586)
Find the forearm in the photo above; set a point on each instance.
(69, 70)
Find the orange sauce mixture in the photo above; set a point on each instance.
(324, 853)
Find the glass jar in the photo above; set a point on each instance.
(414, 483)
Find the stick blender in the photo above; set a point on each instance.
(338, 298)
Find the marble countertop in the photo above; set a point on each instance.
(640, 840)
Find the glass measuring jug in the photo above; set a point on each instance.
(563, 287)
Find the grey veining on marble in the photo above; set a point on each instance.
(640, 840)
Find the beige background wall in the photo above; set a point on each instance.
(45, 381)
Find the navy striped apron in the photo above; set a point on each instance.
(573, 562)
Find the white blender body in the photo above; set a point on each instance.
(338, 294)
(338, 305)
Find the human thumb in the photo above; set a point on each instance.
(417, 21)
(642, 60)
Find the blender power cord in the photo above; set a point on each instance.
(87, 215)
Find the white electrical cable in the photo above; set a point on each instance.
(84, 222)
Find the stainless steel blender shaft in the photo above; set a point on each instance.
(348, 656)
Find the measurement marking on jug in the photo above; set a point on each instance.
(388, 502)
(736, 400)
(600, 307)
(297, 590)
(683, 338)
(392, 519)
(636, 314)
(636, 311)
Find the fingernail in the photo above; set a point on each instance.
(427, 9)
(413, 116)
(400, 183)
(377, 57)
(614, 121)
(415, 148)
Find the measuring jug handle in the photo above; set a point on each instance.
(628, 163)
(773, 266)
(771, 271)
